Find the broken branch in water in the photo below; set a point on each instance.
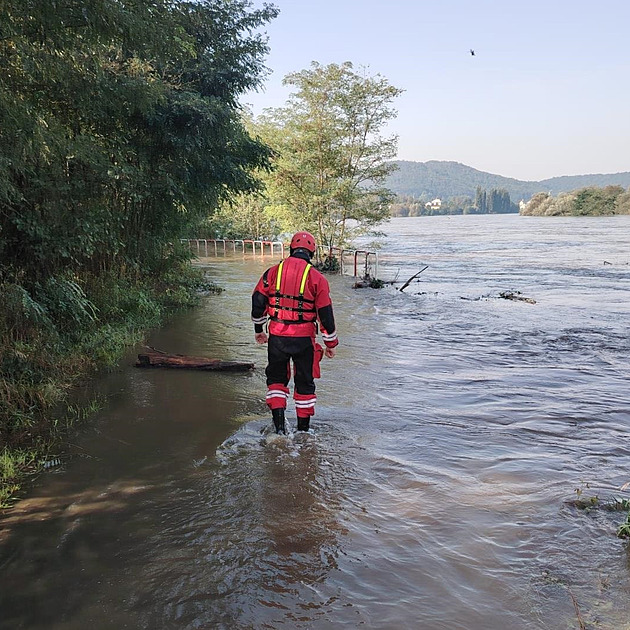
(369, 282)
(516, 295)
(577, 609)
(415, 275)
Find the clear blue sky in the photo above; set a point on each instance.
(547, 92)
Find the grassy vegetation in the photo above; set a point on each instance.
(52, 339)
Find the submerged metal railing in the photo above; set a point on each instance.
(354, 262)
(223, 245)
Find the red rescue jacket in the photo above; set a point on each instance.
(296, 295)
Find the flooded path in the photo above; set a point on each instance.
(451, 433)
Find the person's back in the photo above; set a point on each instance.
(293, 297)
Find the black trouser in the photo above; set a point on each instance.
(280, 351)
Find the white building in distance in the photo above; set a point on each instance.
(436, 204)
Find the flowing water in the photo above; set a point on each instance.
(453, 432)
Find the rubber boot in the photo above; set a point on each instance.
(303, 423)
(278, 420)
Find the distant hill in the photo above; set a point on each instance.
(450, 179)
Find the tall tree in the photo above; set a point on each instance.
(119, 126)
(246, 215)
(481, 200)
(331, 157)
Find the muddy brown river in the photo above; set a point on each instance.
(453, 431)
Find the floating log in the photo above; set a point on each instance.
(158, 359)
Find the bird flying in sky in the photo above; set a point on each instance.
(472, 52)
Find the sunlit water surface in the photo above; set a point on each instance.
(452, 431)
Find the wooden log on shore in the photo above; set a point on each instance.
(157, 359)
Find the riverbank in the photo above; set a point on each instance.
(44, 358)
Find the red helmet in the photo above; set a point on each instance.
(304, 240)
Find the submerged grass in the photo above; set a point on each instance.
(587, 502)
(55, 338)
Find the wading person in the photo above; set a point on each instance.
(294, 297)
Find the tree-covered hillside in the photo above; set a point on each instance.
(428, 180)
